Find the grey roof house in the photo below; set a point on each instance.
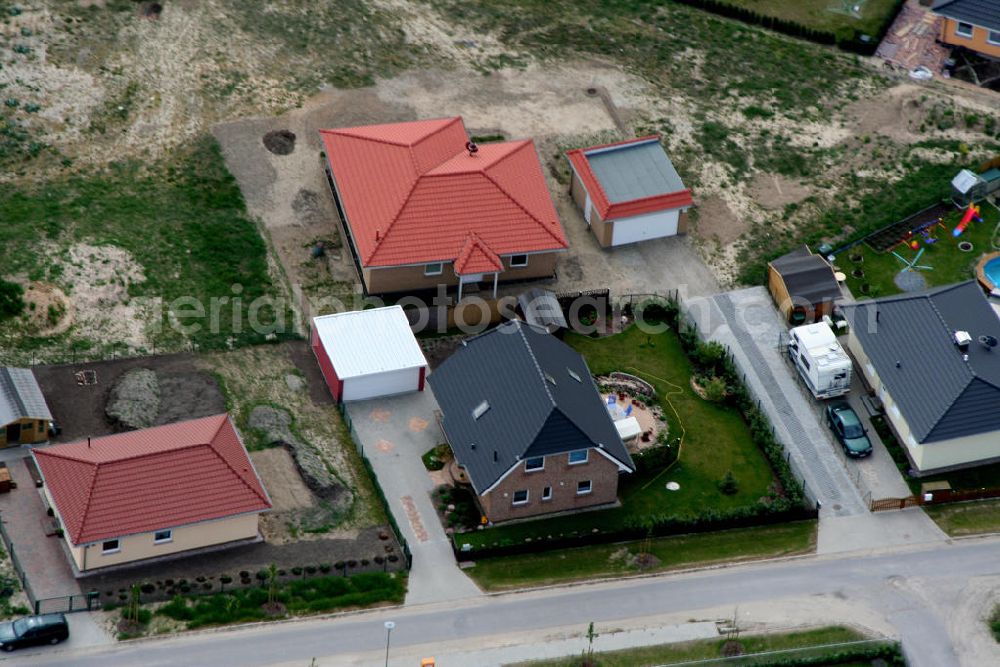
(970, 24)
(24, 416)
(933, 359)
(527, 423)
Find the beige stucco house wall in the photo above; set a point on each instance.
(141, 546)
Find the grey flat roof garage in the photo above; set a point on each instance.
(634, 171)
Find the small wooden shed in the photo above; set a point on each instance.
(803, 286)
(24, 416)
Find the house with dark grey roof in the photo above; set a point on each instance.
(933, 359)
(629, 191)
(24, 415)
(528, 425)
(803, 285)
(972, 24)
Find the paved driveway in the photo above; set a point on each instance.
(43, 558)
(747, 322)
(395, 432)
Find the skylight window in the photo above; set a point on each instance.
(551, 379)
(573, 374)
(480, 410)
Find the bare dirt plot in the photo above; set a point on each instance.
(286, 376)
(282, 480)
(187, 392)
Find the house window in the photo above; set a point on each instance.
(536, 463)
(161, 536)
(521, 497)
(517, 261)
(111, 547)
(964, 29)
(579, 456)
(547, 493)
(434, 269)
(993, 37)
(583, 488)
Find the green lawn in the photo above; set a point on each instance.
(183, 220)
(606, 560)
(950, 265)
(707, 649)
(973, 518)
(826, 15)
(717, 441)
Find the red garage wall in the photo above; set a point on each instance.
(335, 384)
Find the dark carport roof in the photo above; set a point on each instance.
(910, 340)
(985, 13)
(541, 308)
(807, 276)
(541, 400)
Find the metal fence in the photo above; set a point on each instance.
(68, 603)
(18, 570)
(62, 604)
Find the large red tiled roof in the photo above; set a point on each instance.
(148, 480)
(412, 193)
(604, 207)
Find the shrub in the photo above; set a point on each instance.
(11, 299)
(715, 389)
(654, 459)
(728, 485)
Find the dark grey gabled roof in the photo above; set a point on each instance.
(910, 340)
(20, 396)
(541, 397)
(985, 13)
(807, 276)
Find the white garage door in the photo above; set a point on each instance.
(643, 227)
(381, 384)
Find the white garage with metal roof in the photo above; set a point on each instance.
(368, 353)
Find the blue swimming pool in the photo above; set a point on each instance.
(989, 272)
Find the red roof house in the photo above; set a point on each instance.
(422, 206)
(629, 191)
(154, 492)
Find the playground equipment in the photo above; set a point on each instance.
(911, 264)
(970, 213)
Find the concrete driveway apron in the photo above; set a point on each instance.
(395, 432)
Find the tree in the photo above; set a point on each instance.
(272, 584)
(131, 612)
(11, 299)
(591, 636)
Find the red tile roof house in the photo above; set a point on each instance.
(629, 191)
(163, 491)
(422, 207)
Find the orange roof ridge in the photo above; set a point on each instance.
(531, 215)
(384, 235)
(86, 508)
(347, 132)
(211, 446)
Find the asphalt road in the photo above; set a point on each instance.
(917, 593)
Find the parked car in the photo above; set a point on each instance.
(852, 435)
(33, 630)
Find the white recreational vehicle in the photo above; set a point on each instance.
(821, 360)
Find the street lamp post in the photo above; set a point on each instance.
(389, 625)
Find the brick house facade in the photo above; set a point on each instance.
(558, 486)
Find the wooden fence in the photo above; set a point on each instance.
(938, 497)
